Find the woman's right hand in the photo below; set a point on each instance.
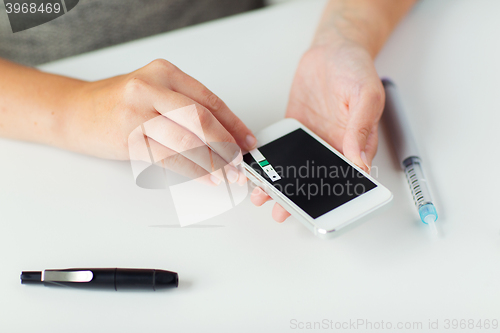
(177, 115)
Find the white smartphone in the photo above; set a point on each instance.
(311, 180)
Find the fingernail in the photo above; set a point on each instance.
(257, 191)
(365, 160)
(242, 178)
(238, 158)
(251, 141)
(232, 176)
(215, 180)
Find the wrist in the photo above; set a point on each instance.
(347, 31)
(365, 23)
(88, 126)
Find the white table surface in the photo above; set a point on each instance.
(250, 274)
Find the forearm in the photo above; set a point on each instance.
(34, 105)
(365, 22)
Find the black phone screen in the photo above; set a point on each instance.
(312, 176)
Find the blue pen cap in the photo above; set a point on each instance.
(426, 211)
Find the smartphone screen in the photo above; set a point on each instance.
(311, 175)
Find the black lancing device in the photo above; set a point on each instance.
(104, 278)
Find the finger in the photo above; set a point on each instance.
(259, 197)
(198, 120)
(146, 149)
(177, 138)
(371, 147)
(193, 89)
(184, 112)
(279, 213)
(364, 117)
(181, 165)
(242, 178)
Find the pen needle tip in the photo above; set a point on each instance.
(431, 221)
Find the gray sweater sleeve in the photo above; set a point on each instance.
(94, 24)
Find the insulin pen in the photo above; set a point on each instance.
(104, 278)
(407, 154)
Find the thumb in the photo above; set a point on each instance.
(361, 127)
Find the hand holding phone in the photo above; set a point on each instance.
(311, 180)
